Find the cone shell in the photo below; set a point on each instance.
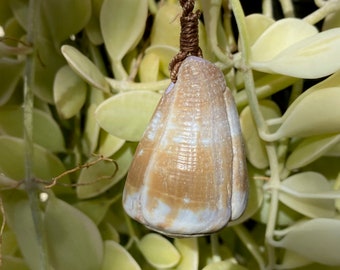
(188, 176)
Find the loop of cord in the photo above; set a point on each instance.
(188, 37)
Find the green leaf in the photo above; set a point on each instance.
(317, 113)
(69, 92)
(100, 177)
(116, 257)
(311, 149)
(122, 24)
(316, 239)
(126, 115)
(11, 71)
(66, 18)
(311, 184)
(47, 132)
(188, 248)
(73, 240)
(158, 251)
(84, 68)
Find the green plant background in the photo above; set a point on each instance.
(79, 81)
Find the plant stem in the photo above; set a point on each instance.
(267, 8)
(119, 71)
(214, 248)
(247, 240)
(318, 15)
(31, 185)
(287, 8)
(261, 127)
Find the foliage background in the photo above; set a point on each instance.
(83, 77)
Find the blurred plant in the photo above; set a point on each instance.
(82, 77)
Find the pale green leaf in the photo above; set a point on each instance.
(72, 238)
(279, 36)
(158, 251)
(126, 115)
(13, 263)
(320, 51)
(149, 68)
(19, 219)
(66, 18)
(109, 232)
(188, 248)
(45, 164)
(93, 31)
(95, 209)
(166, 27)
(256, 24)
(20, 12)
(285, 216)
(332, 20)
(316, 239)
(11, 71)
(224, 265)
(69, 92)
(311, 149)
(91, 131)
(255, 147)
(255, 198)
(116, 257)
(122, 24)
(84, 68)
(49, 56)
(317, 113)
(165, 54)
(5, 12)
(9, 243)
(309, 183)
(292, 260)
(100, 177)
(93, 27)
(108, 144)
(47, 132)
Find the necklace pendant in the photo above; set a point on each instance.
(189, 174)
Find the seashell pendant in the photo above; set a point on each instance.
(189, 175)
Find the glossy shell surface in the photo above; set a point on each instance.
(188, 176)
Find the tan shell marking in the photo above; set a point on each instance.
(188, 176)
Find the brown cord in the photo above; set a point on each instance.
(188, 37)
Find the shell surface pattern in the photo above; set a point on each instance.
(188, 176)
